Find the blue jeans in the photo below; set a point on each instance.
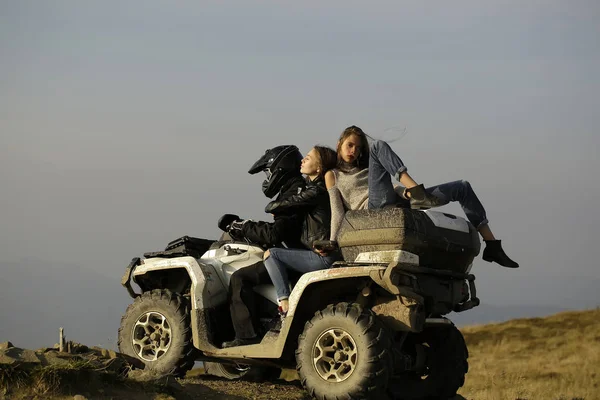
(296, 259)
(383, 163)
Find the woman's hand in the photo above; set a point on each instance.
(324, 247)
(321, 252)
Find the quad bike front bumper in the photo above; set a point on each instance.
(126, 279)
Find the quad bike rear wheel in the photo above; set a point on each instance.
(445, 366)
(156, 329)
(344, 353)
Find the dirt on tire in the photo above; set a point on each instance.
(167, 316)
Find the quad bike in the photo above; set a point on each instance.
(371, 326)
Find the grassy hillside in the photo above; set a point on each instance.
(551, 358)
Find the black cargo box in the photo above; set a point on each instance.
(412, 231)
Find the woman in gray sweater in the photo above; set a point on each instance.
(362, 180)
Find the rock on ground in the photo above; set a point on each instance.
(6, 345)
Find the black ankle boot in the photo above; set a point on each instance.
(493, 252)
(277, 322)
(420, 199)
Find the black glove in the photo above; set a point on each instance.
(271, 206)
(235, 229)
(226, 220)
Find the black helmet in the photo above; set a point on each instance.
(280, 164)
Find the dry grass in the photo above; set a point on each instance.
(12, 377)
(53, 381)
(552, 358)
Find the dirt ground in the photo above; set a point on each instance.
(195, 386)
(207, 387)
(553, 358)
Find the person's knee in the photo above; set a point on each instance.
(274, 253)
(466, 184)
(376, 145)
(236, 281)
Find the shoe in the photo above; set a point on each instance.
(240, 342)
(493, 252)
(277, 322)
(420, 199)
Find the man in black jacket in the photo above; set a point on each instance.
(282, 167)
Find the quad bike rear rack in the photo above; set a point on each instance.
(407, 269)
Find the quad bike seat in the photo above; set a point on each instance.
(441, 241)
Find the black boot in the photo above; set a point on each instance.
(240, 342)
(278, 321)
(493, 252)
(421, 199)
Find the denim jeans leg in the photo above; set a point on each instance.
(278, 273)
(296, 259)
(383, 164)
(462, 192)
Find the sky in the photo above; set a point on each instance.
(124, 125)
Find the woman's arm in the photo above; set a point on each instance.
(329, 179)
(337, 205)
(337, 211)
(308, 197)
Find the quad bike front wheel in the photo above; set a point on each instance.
(156, 329)
(444, 370)
(344, 353)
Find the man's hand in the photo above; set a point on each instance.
(235, 229)
(226, 220)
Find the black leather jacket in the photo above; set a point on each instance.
(312, 204)
(286, 226)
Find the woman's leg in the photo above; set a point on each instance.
(385, 163)
(462, 192)
(486, 232)
(279, 260)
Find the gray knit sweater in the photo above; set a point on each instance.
(351, 192)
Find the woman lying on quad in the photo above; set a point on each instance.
(362, 180)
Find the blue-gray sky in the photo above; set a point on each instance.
(124, 125)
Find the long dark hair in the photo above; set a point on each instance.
(362, 161)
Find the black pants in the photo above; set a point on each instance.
(242, 299)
